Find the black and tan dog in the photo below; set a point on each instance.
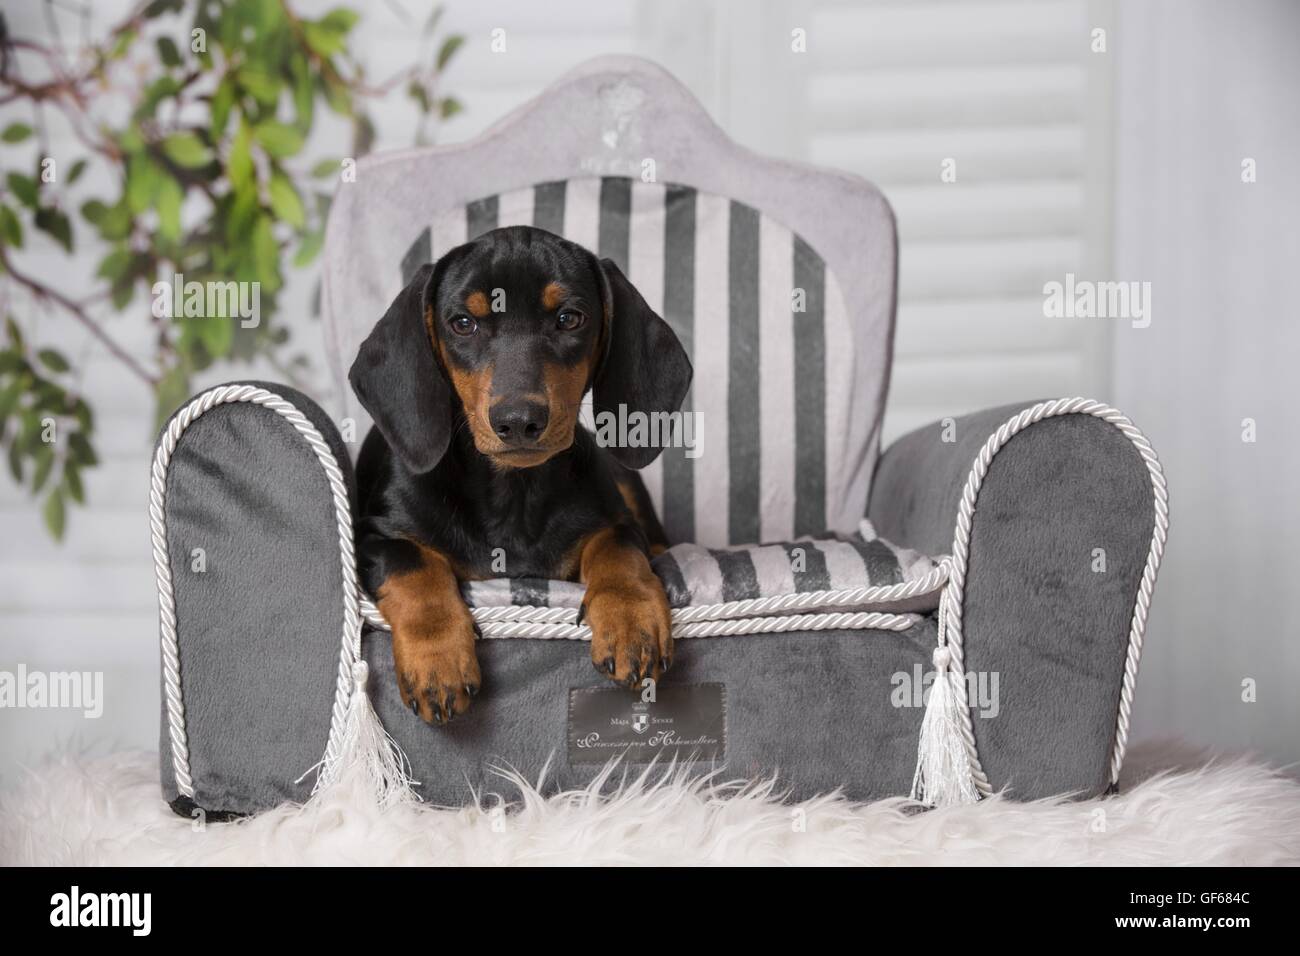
(474, 378)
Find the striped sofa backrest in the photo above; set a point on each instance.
(791, 401)
(763, 321)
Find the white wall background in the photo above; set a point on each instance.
(1010, 90)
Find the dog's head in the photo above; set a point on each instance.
(511, 330)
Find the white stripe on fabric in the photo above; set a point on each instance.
(845, 442)
(712, 293)
(701, 573)
(582, 225)
(772, 569)
(449, 231)
(582, 212)
(645, 253)
(515, 207)
(844, 565)
(776, 375)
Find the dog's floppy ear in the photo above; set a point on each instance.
(400, 383)
(644, 367)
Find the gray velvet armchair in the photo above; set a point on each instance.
(780, 280)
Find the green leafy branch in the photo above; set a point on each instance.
(224, 95)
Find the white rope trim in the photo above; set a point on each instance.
(538, 623)
(351, 644)
(954, 593)
(685, 619)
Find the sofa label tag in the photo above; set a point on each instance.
(685, 721)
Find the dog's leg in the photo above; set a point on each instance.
(433, 638)
(631, 626)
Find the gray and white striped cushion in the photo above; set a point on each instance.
(694, 575)
(773, 386)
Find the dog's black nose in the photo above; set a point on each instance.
(519, 423)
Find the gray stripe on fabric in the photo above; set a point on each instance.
(743, 389)
(530, 591)
(421, 251)
(739, 578)
(679, 312)
(810, 392)
(670, 573)
(814, 576)
(615, 219)
(548, 206)
(481, 216)
(881, 562)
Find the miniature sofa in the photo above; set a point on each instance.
(1005, 561)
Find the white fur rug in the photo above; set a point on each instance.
(107, 810)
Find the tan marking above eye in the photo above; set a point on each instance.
(552, 295)
(477, 303)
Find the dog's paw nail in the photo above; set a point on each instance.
(415, 707)
(471, 690)
(582, 612)
(608, 665)
(478, 631)
(665, 665)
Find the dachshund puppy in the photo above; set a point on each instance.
(474, 378)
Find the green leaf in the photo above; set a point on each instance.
(340, 19)
(75, 172)
(16, 462)
(10, 394)
(93, 211)
(16, 132)
(11, 229)
(116, 221)
(43, 458)
(261, 85)
(72, 483)
(24, 187)
(285, 202)
(309, 249)
(449, 106)
(239, 165)
(222, 101)
(14, 333)
(56, 224)
(53, 360)
(279, 141)
(217, 333)
(142, 179)
(55, 514)
(80, 451)
(326, 169)
(167, 51)
(173, 389)
(187, 150)
(448, 49)
(169, 200)
(114, 266)
(323, 41)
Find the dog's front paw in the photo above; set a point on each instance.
(437, 669)
(631, 631)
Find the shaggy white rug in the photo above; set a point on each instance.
(107, 810)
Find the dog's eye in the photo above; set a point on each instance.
(464, 325)
(569, 320)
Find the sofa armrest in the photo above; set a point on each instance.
(251, 491)
(1060, 536)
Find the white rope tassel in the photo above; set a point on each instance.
(368, 760)
(943, 772)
